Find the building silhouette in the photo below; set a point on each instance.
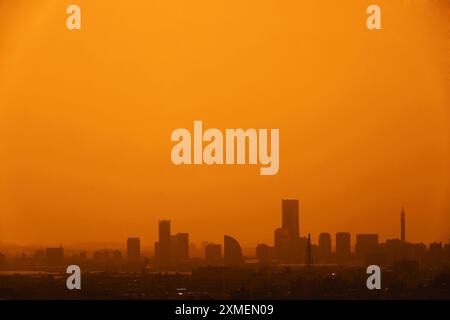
(301, 250)
(366, 245)
(171, 249)
(180, 246)
(324, 247)
(193, 252)
(232, 252)
(290, 218)
(395, 250)
(282, 243)
(343, 248)
(162, 247)
(263, 252)
(213, 254)
(287, 238)
(133, 249)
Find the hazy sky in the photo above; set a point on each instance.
(86, 118)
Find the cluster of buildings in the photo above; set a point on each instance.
(173, 251)
(291, 247)
(292, 268)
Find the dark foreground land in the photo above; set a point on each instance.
(230, 283)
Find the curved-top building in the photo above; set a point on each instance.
(232, 252)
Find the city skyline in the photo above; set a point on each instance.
(294, 266)
(149, 244)
(288, 234)
(224, 150)
(86, 153)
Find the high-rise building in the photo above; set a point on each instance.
(179, 246)
(287, 237)
(232, 252)
(193, 253)
(164, 241)
(156, 251)
(402, 225)
(301, 252)
(342, 246)
(54, 256)
(290, 218)
(203, 245)
(324, 247)
(133, 249)
(282, 244)
(213, 254)
(366, 245)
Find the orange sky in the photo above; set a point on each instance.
(86, 118)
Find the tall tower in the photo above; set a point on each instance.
(133, 249)
(402, 225)
(290, 218)
(164, 241)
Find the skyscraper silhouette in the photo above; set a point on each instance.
(179, 246)
(324, 247)
(290, 218)
(164, 241)
(282, 243)
(133, 248)
(342, 246)
(232, 252)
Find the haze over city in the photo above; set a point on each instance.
(86, 119)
